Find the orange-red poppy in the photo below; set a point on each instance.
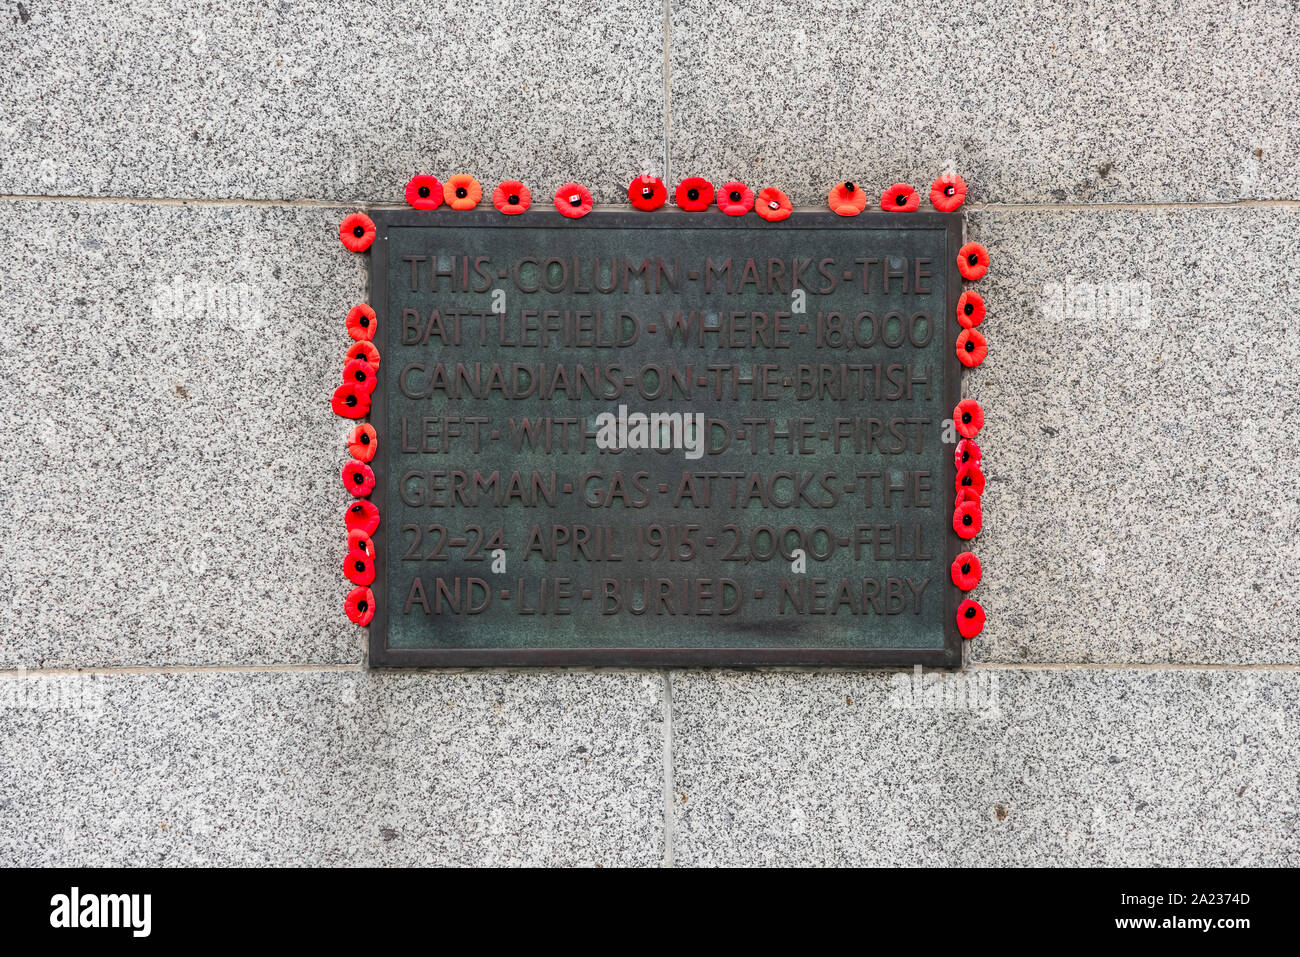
(357, 232)
(970, 309)
(947, 192)
(970, 618)
(966, 571)
(735, 198)
(694, 194)
(361, 322)
(847, 199)
(359, 568)
(359, 541)
(424, 191)
(968, 418)
(573, 200)
(360, 606)
(966, 451)
(966, 495)
(900, 198)
(772, 204)
(967, 519)
(358, 479)
(462, 191)
(362, 442)
(364, 350)
(647, 192)
(360, 372)
(971, 347)
(972, 477)
(363, 515)
(511, 197)
(972, 261)
(350, 402)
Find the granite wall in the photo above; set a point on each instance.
(179, 683)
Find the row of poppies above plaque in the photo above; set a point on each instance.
(351, 399)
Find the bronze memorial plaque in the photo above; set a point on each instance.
(665, 439)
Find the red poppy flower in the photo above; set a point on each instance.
(970, 309)
(773, 205)
(647, 192)
(361, 322)
(972, 477)
(735, 198)
(359, 568)
(365, 351)
(357, 232)
(362, 373)
(362, 515)
(511, 197)
(359, 541)
(847, 199)
(350, 401)
(694, 194)
(966, 571)
(966, 495)
(462, 191)
(358, 479)
(972, 261)
(947, 192)
(966, 451)
(968, 418)
(362, 442)
(573, 200)
(360, 606)
(972, 347)
(970, 618)
(424, 191)
(967, 519)
(900, 198)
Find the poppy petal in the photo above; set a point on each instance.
(970, 309)
(362, 373)
(972, 347)
(947, 192)
(358, 479)
(359, 541)
(773, 205)
(847, 199)
(573, 200)
(966, 495)
(350, 402)
(968, 418)
(735, 198)
(424, 191)
(966, 571)
(972, 477)
(363, 515)
(362, 442)
(647, 192)
(972, 261)
(511, 197)
(967, 520)
(462, 191)
(966, 451)
(970, 618)
(694, 194)
(900, 198)
(359, 568)
(364, 350)
(361, 322)
(357, 232)
(360, 606)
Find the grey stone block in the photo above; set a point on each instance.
(1075, 767)
(332, 768)
(1052, 102)
(328, 100)
(1139, 398)
(174, 491)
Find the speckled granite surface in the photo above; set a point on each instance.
(991, 767)
(341, 768)
(1047, 102)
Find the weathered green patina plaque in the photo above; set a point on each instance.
(664, 439)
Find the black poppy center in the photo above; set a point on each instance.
(692, 194)
(735, 195)
(360, 375)
(350, 401)
(965, 569)
(424, 192)
(365, 438)
(359, 565)
(513, 199)
(646, 192)
(970, 345)
(358, 231)
(965, 457)
(365, 322)
(965, 480)
(949, 190)
(358, 477)
(901, 199)
(461, 192)
(850, 187)
(575, 200)
(969, 309)
(966, 519)
(965, 418)
(357, 509)
(973, 259)
(970, 612)
(363, 605)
